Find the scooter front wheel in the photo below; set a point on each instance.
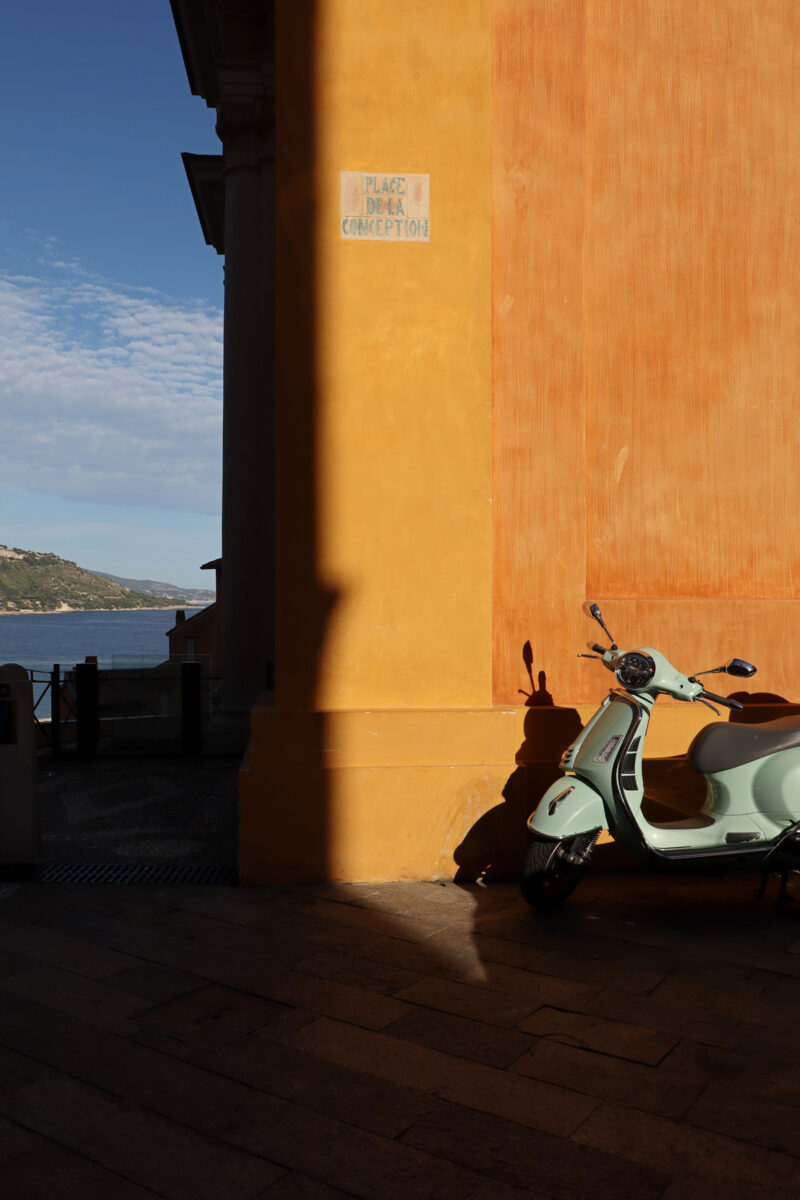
(548, 876)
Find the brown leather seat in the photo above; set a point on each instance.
(721, 746)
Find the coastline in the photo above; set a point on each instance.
(55, 612)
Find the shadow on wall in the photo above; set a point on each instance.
(283, 784)
(304, 606)
(760, 707)
(494, 848)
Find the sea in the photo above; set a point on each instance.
(122, 638)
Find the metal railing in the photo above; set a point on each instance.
(49, 697)
(90, 707)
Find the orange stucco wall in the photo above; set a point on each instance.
(538, 84)
(646, 300)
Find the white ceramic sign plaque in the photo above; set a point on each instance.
(380, 206)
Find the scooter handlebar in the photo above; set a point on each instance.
(728, 703)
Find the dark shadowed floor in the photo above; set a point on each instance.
(126, 810)
(412, 1040)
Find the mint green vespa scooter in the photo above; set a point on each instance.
(751, 815)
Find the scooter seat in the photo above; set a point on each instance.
(721, 746)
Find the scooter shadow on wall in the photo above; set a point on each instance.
(760, 707)
(494, 848)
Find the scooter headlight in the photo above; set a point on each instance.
(635, 670)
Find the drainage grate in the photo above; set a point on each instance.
(197, 875)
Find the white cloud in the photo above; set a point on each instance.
(108, 394)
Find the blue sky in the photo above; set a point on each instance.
(110, 301)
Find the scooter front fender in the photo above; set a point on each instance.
(568, 807)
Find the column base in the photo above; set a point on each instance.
(228, 732)
(377, 796)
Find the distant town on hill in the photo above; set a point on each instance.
(31, 581)
(150, 587)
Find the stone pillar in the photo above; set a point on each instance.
(19, 784)
(246, 127)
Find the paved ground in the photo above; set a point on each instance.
(399, 1041)
(123, 810)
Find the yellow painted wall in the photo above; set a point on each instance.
(373, 796)
(383, 748)
(402, 360)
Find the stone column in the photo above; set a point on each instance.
(246, 126)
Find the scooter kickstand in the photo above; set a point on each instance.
(782, 897)
(783, 875)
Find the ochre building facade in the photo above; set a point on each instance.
(531, 334)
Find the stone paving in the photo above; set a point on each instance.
(417, 1040)
(143, 810)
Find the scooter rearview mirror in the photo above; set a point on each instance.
(593, 610)
(738, 666)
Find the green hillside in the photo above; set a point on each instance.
(34, 582)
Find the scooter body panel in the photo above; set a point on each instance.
(594, 755)
(584, 800)
(570, 755)
(775, 786)
(569, 806)
(739, 817)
